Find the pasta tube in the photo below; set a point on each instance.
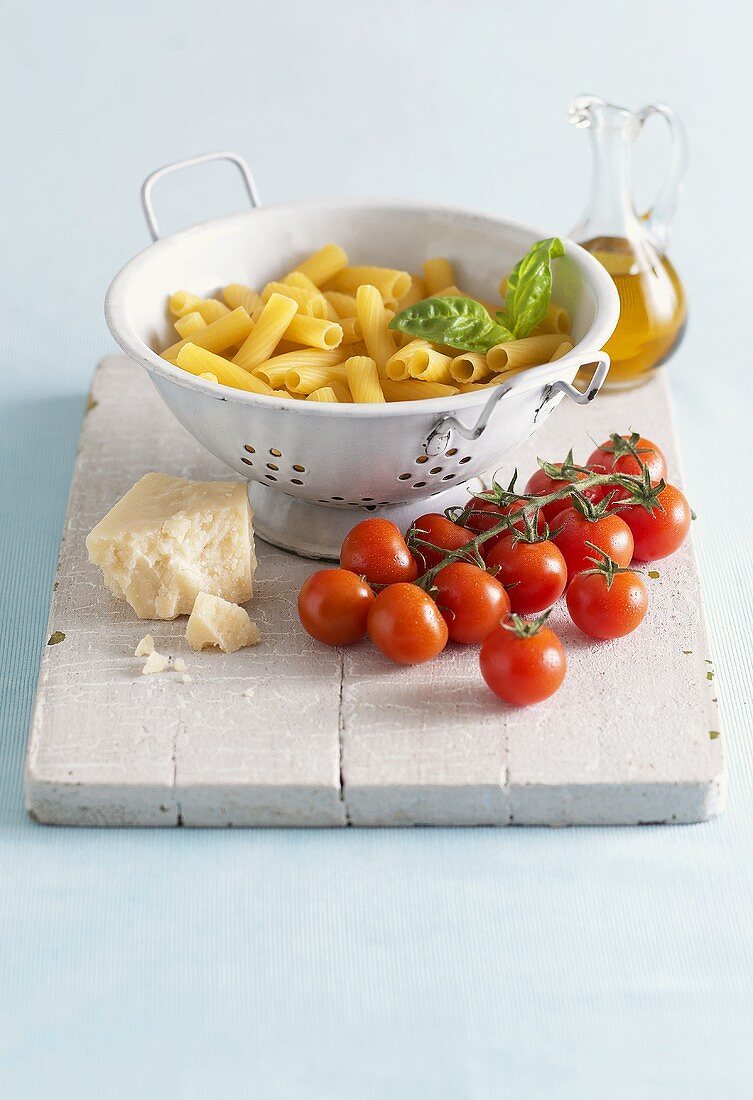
(314, 332)
(398, 365)
(557, 320)
(199, 361)
(344, 305)
(182, 302)
(211, 309)
(529, 352)
(275, 370)
(564, 349)
(430, 366)
(219, 336)
(341, 391)
(326, 393)
(438, 273)
(469, 367)
(308, 379)
(236, 294)
(322, 265)
(373, 320)
(268, 331)
(363, 379)
(310, 302)
(351, 327)
(414, 390)
(416, 292)
(189, 323)
(389, 283)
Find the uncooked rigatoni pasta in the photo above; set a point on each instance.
(329, 331)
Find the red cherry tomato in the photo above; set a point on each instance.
(657, 534)
(542, 485)
(522, 669)
(487, 514)
(333, 605)
(534, 573)
(614, 458)
(376, 550)
(610, 533)
(607, 610)
(440, 531)
(471, 601)
(406, 625)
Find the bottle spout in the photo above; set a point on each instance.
(581, 111)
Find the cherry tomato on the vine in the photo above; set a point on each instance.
(657, 534)
(471, 601)
(542, 485)
(534, 573)
(406, 625)
(485, 514)
(442, 532)
(610, 533)
(605, 607)
(333, 605)
(492, 515)
(521, 663)
(376, 550)
(650, 455)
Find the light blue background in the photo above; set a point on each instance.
(410, 964)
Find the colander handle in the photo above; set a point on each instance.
(438, 438)
(202, 158)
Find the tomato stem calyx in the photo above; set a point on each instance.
(604, 565)
(526, 628)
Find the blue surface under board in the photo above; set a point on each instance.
(446, 964)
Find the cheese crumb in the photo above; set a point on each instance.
(169, 539)
(145, 646)
(155, 662)
(179, 665)
(216, 622)
(249, 693)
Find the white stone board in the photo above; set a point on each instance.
(334, 738)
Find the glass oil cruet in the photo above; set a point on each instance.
(630, 246)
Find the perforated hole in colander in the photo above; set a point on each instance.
(435, 470)
(275, 452)
(251, 450)
(299, 469)
(418, 484)
(296, 481)
(247, 461)
(271, 466)
(270, 477)
(403, 477)
(464, 460)
(452, 451)
(422, 459)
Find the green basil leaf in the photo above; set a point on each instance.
(458, 322)
(529, 287)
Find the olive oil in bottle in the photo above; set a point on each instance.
(631, 248)
(652, 308)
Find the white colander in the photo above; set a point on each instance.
(316, 469)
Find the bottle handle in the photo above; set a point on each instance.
(660, 215)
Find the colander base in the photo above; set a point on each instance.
(317, 530)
